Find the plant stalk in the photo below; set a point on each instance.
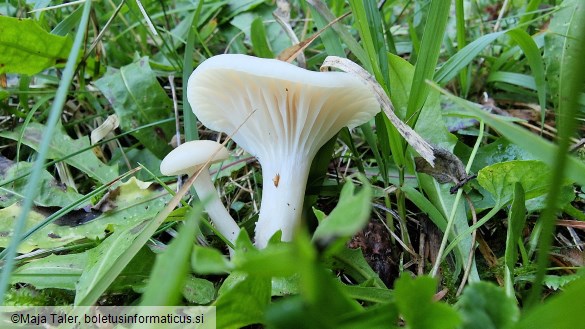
(283, 190)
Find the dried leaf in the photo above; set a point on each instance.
(290, 53)
(99, 133)
(448, 168)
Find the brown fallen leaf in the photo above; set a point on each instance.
(290, 53)
(448, 169)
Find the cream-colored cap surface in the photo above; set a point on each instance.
(295, 109)
(187, 157)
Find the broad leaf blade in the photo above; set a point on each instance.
(499, 179)
(242, 302)
(563, 30)
(540, 148)
(414, 298)
(349, 216)
(51, 193)
(61, 146)
(134, 202)
(26, 48)
(516, 220)
(165, 289)
(484, 305)
(138, 99)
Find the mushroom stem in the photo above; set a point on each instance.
(220, 217)
(283, 191)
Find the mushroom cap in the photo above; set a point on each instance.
(187, 157)
(296, 109)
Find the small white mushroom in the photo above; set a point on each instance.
(292, 111)
(187, 159)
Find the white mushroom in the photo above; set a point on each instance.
(187, 159)
(295, 111)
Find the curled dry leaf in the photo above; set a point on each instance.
(423, 148)
(99, 133)
(447, 168)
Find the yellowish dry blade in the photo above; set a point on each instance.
(291, 53)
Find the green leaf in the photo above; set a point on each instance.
(432, 128)
(26, 48)
(276, 260)
(463, 57)
(165, 289)
(349, 216)
(516, 220)
(259, 41)
(236, 7)
(61, 146)
(370, 27)
(51, 193)
(501, 150)
(138, 99)
(563, 311)
(401, 72)
(517, 79)
(484, 305)
(326, 16)
(369, 294)
(532, 53)
(209, 261)
(555, 282)
(321, 298)
(564, 29)
(198, 291)
(64, 271)
(426, 62)
(135, 201)
(101, 261)
(243, 302)
(499, 179)
(285, 286)
(353, 263)
(414, 298)
(109, 259)
(539, 148)
(53, 271)
(381, 316)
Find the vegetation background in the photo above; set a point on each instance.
(92, 98)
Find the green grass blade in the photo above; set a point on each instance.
(369, 24)
(370, 28)
(163, 289)
(529, 12)
(562, 311)
(345, 36)
(259, 39)
(516, 220)
(517, 79)
(55, 114)
(461, 42)
(534, 58)
(189, 119)
(572, 78)
(463, 57)
(540, 148)
(426, 62)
